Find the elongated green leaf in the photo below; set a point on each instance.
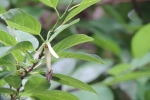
(4, 74)
(14, 81)
(22, 46)
(23, 36)
(140, 40)
(54, 95)
(67, 80)
(2, 10)
(19, 19)
(36, 84)
(72, 41)
(82, 56)
(119, 69)
(126, 77)
(51, 3)
(6, 38)
(82, 6)
(61, 28)
(6, 90)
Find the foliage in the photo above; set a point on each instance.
(119, 33)
(17, 43)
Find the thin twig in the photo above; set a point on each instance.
(31, 67)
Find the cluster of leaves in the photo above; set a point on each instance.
(120, 37)
(125, 39)
(19, 48)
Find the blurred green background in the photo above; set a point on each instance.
(121, 33)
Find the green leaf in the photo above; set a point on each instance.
(23, 36)
(30, 58)
(9, 62)
(2, 10)
(82, 6)
(107, 44)
(81, 56)
(36, 84)
(126, 77)
(61, 28)
(54, 95)
(6, 90)
(51, 3)
(4, 74)
(18, 56)
(14, 81)
(9, 57)
(119, 69)
(71, 41)
(5, 62)
(6, 38)
(67, 80)
(20, 20)
(140, 40)
(22, 46)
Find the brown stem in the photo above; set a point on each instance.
(24, 69)
(30, 68)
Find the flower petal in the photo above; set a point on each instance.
(47, 57)
(52, 50)
(36, 56)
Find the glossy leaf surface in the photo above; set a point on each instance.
(81, 56)
(67, 80)
(51, 3)
(23, 36)
(54, 95)
(6, 90)
(61, 28)
(4, 74)
(22, 46)
(6, 38)
(140, 41)
(36, 84)
(72, 41)
(20, 20)
(82, 6)
(14, 81)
